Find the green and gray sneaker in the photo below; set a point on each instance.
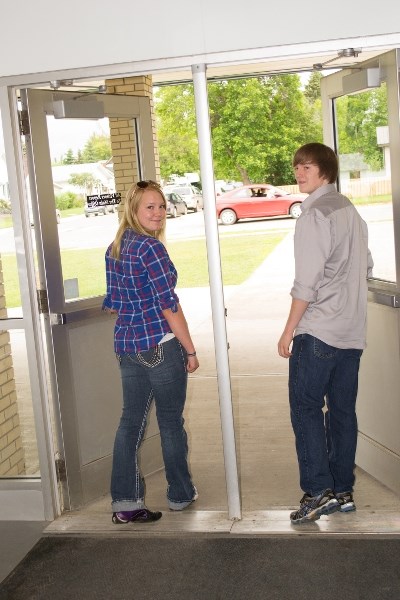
(312, 507)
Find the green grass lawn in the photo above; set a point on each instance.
(5, 221)
(240, 256)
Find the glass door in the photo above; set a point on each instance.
(28, 487)
(362, 123)
(74, 218)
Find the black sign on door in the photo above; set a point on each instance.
(103, 200)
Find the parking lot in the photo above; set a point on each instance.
(95, 232)
(98, 232)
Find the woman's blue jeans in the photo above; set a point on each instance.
(159, 374)
(325, 440)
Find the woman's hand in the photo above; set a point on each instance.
(192, 364)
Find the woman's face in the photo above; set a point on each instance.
(152, 210)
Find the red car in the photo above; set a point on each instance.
(257, 200)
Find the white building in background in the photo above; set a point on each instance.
(102, 173)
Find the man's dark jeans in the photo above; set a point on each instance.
(325, 440)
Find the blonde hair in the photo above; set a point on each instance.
(129, 218)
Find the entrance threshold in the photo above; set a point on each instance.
(268, 522)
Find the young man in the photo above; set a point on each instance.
(327, 325)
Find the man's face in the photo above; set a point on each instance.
(308, 177)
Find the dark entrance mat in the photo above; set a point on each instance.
(207, 568)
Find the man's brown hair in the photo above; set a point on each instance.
(320, 155)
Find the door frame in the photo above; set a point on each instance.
(14, 158)
(28, 498)
(83, 442)
(378, 409)
(47, 495)
(381, 292)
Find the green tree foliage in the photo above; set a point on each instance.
(312, 93)
(5, 207)
(69, 158)
(256, 126)
(176, 130)
(98, 147)
(67, 200)
(358, 117)
(83, 180)
(312, 90)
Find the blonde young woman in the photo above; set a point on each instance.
(155, 353)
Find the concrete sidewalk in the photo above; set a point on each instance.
(257, 313)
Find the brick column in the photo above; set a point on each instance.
(122, 133)
(12, 462)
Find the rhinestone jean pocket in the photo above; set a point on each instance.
(154, 357)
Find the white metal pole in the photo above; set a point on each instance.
(216, 289)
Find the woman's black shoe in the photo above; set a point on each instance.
(141, 515)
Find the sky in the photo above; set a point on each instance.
(67, 133)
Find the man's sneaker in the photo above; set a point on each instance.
(346, 501)
(141, 515)
(312, 507)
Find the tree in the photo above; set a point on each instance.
(176, 130)
(358, 117)
(98, 147)
(256, 125)
(83, 180)
(312, 90)
(69, 158)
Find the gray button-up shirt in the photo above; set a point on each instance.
(332, 263)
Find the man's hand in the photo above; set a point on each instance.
(297, 310)
(284, 344)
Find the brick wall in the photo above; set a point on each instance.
(12, 461)
(122, 133)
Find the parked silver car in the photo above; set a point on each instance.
(176, 205)
(191, 196)
(99, 210)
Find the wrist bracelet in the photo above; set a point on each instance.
(191, 353)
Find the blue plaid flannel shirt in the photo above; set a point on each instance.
(140, 285)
